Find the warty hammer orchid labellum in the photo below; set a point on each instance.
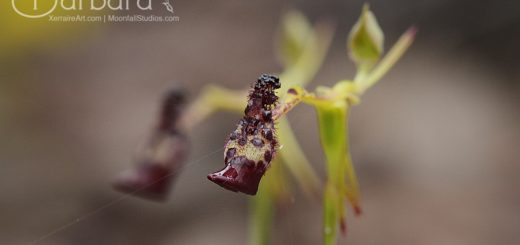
(251, 147)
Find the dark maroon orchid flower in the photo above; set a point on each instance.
(252, 145)
(149, 180)
(163, 157)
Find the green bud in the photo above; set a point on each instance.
(365, 42)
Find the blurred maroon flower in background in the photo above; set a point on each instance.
(163, 157)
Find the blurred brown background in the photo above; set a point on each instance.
(436, 143)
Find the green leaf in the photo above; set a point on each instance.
(274, 189)
(365, 42)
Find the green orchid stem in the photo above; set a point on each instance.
(262, 212)
(212, 99)
(363, 71)
(273, 190)
(342, 180)
(332, 119)
(331, 215)
(364, 82)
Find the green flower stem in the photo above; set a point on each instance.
(332, 118)
(331, 215)
(261, 212)
(212, 99)
(332, 122)
(341, 177)
(273, 190)
(394, 54)
(363, 71)
(290, 101)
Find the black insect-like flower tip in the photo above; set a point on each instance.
(164, 157)
(251, 147)
(267, 80)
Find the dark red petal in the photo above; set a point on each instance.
(148, 180)
(240, 175)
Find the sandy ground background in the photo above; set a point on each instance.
(436, 143)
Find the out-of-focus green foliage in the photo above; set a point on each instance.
(295, 31)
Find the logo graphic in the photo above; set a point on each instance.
(36, 13)
(93, 10)
(168, 5)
